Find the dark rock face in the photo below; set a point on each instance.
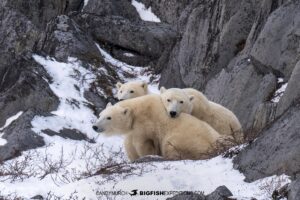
(144, 38)
(41, 11)
(20, 137)
(294, 190)
(277, 46)
(23, 88)
(168, 11)
(292, 92)
(208, 42)
(112, 7)
(242, 90)
(278, 148)
(63, 38)
(72, 134)
(221, 193)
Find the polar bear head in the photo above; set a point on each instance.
(176, 101)
(131, 90)
(114, 120)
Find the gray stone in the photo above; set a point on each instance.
(212, 34)
(294, 190)
(242, 90)
(167, 11)
(72, 134)
(278, 148)
(20, 137)
(221, 193)
(23, 87)
(121, 8)
(63, 38)
(292, 92)
(277, 47)
(39, 12)
(145, 38)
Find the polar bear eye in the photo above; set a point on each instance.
(181, 102)
(121, 91)
(131, 91)
(108, 118)
(168, 100)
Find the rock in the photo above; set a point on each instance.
(167, 11)
(294, 190)
(72, 134)
(212, 34)
(112, 7)
(278, 148)
(221, 193)
(63, 38)
(143, 38)
(188, 196)
(242, 90)
(39, 12)
(23, 87)
(20, 137)
(292, 92)
(277, 47)
(19, 35)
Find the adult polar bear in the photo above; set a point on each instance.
(150, 131)
(220, 118)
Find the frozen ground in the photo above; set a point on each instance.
(67, 168)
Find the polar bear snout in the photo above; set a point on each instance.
(98, 129)
(173, 114)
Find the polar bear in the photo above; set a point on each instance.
(131, 90)
(150, 131)
(220, 118)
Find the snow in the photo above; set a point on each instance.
(139, 73)
(85, 2)
(129, 54)
(7, 123)
(80, 159)
(145, 14)
(279, 93)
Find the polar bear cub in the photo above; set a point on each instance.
(131, 90)
(220, 118)
(150, 131)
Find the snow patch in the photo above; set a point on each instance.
(7, 123)
(128, 54)
(145, 14)
(279, 93)
(138, 73)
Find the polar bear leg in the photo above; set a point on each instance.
(130, 150)
(144, 146)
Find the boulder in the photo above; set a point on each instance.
(63, 38)
(20, 137)
(278, 148)
(292, 92)
(143, 38)
(277, 46)
(121, 8)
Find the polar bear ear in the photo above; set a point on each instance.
(126, 111)
(145, 85)
(108, 105)
(191, 97)
(118, 85)
(162, 90)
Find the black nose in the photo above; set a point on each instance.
(173, 113)
(121, 99)
(95, 128)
